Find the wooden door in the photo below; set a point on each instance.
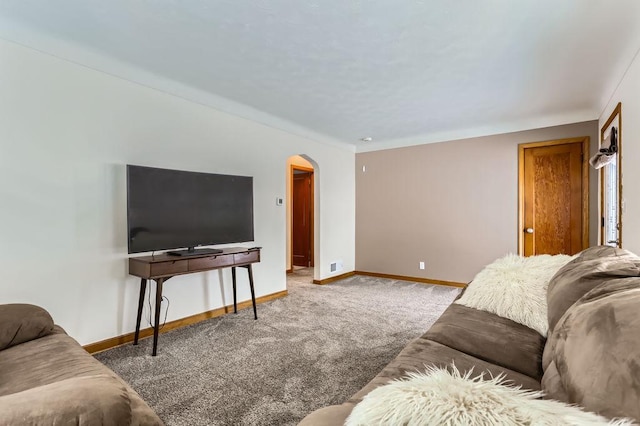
(302, 218)
(554, 197)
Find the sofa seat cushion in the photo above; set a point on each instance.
(55, 358)
(423, 352)
(21, 322)
(490, 338)
(92, 400)
(593, 354)
(592, 267)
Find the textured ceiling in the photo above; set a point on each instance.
(401, 72)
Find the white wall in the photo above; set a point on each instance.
(66, 134)
(628, 92)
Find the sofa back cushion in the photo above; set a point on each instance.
(592, 356)
(20, 323)
(485, 336)
(592, 267)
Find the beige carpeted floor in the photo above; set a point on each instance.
(313, 348)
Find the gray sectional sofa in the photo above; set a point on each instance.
(47, 378)
(591, 357)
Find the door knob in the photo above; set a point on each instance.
(529, 230)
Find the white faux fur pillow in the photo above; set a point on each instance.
(440, 397)
(515, 287)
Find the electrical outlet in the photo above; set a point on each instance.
(421, 265)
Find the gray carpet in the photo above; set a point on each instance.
(313, 348)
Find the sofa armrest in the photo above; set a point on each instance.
(81, 401)
(333, 415)
(20, 323)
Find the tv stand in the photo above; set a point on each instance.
(163, 266)
(192, 251)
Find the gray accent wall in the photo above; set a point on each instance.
(452, 205)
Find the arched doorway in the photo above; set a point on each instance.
(301, 204)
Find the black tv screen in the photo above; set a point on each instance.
(169, 209)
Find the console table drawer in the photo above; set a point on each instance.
(167, 268)
(214, 261)
(247, 257)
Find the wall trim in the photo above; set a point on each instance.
(336, 278)
(617, 112)
(413, 279)
(393, 277)
(493, 129)
(113, 342)
(123, 339)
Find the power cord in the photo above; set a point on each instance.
(166, 312)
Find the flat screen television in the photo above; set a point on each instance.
(170, 209)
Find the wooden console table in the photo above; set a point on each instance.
(163, 266)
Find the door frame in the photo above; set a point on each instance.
(312, 211)
(617, 113)
(585, 185)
